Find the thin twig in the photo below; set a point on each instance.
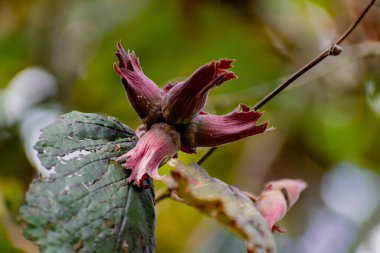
(357, 51)
(354, 25)
(163, 194)
(206, 155)
(333, 50)
(168, 193)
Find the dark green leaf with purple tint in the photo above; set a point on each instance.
(86, 204)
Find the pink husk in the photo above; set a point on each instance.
(157, 145)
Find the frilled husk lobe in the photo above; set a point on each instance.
(209, 130)
(153, 149)
(143, 94)
(183, 101)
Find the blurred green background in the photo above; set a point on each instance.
(56, 56)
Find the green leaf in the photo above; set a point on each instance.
(86, 204)
(224, 203)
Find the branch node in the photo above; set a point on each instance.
(335, 50)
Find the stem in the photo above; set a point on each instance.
(291, 79)
(206, 155)
(163, 194)
(354, 25)
(333, 50)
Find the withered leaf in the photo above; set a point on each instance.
(224, 203)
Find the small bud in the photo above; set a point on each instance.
(183, 101)
(272, 206)
(143, 94)
(209, 130)
(293, 188)
(154, 148)
(335, 50)
(277, 198)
